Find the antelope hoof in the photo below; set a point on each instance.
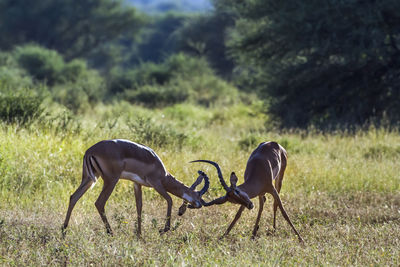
(223, 236)
(63, 232)
(162, 231)
(255, 232)
(110, 232)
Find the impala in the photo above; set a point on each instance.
(123, 159)
(266, 163)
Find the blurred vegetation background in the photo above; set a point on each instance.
(326, 64)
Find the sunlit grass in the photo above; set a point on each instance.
(342, 191)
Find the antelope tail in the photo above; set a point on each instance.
(89, 168)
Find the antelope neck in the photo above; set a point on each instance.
(250, 189)
(175, 187)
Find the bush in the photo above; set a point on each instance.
(76, 75)
(120, 80)
(176, 66)
(148, 132)
(14, 77)
(11, 75)
(20, 106)
(92, 84)
(41, 63)
(74, 70)
(155, 96)
(71, 96)
(73, 84)
(178, 79)
(208, 90)
(186, 66)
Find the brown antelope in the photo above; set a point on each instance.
(266, 163)
(123, 159)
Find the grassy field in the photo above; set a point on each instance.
(341, 190)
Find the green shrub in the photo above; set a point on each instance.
(14, 77)
(74, 70)
(20, 106)
(41, 63)
(72, 84)
(178, 79)
(6, 59)
(176, 66)
(88, 80)
(71, 96)
(11, 75)
(145, 74)
(187, 66)
(151, 73)
(208, 90)
(120, 80)
(152, 95)
(148, 132)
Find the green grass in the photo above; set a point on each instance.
(342, 192)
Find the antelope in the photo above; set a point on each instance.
(123, 159)
(266, 163)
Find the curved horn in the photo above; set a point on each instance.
(206, 183)
(182, 208)
(198, 181)
(221, 178)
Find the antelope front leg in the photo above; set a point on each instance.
(165, 195)
(260, 210)
(238, 214)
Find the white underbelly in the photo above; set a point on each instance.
(134, 178)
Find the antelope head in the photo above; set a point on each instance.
(233, 193)
(185, 204)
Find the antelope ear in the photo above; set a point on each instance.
(233, 179)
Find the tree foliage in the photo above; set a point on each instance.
(204, 35)
(156, 39)
(322, 62)
(42, 64)
(75, 28)
(197, 35)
